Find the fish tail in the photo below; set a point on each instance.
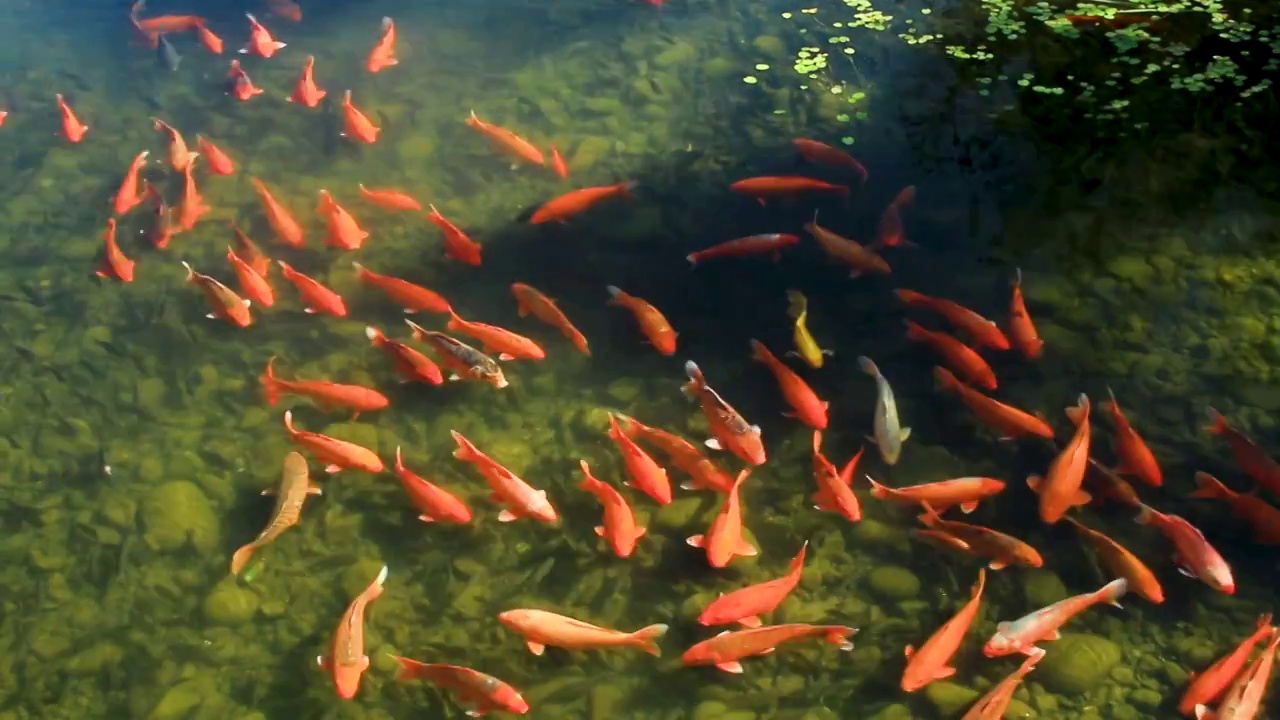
(868, 366)
(839, 635)
(909, 297)
(1210, 487)
(375, 335)
(646, 638)
(797, 304)
(406, 669)
(1145, 514)
(375, 587)
(914, 331)
(878, 491)
(399, 460)
(817, 441)
(271, 386)
(361, 271)
(759, 352)
(191, 274)
(587, 482)
(945, 379)
(1264, 620)
(696, 380)
(1113, 591)
(615, 294)
(288, 422)
(930, 516)
(464, 451)
(1080, 411)
(1217, 423)
(241, 558)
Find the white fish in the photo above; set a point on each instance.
(889, 435)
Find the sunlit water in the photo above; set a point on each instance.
(117, 598)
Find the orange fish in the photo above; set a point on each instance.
(962, 358)
(540, 628)
(652, 323)
(4, 115)
(1261, 516)
(1104, 484)
(383, 54)
(823, 154)
(211, 42)
(344, 231)
(114, 264)
(328, 395)
(316, 298)
(965, 492)
(462, 360)
(1022, 331)
(356, 125)
(1004, 550)
(412, 365)
(286, 9)
(579, 201)
(1250, 456)
(730, 432)
(413, 298)
(766, 244)
(390, 199)
(723, 541)
(557, 163)
(295, 486)
(1193, 554)
(725, 650)
(287, 230)
(843, 250)
(1135, 457)
(646, 474)
(219, 163)
(226, 305)
(260, 41)
(704, 472)
(129, 195)
(239, 85)
(807, 407)
(255, 286)
(993, 705)
(1060, 489)
(163, 228)
(785, 187)
(151, 28)
(337, 454)
(506, 141)
(746, 605)
(72, 129)
(305, 92)
(981, 331)
(1009, 421)
(931, 661)
(456, 243)
(250, 253)
(508, 345)
(484, 693)
(192, 206)
(1121, 562)
(1246, 694)
(530, 301)
(433, 502)
(519, 498)
(346, 661)
(1210, 685)
(835, 488)
(620, 529)
(889, 232)
(1021, 635)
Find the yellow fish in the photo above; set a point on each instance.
(806, 347)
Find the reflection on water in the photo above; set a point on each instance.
(1143, 260)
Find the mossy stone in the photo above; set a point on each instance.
(229, 604)
(771, 46)
(1132, 269)
(177, 512)
(893, 583)
(1042, 587)
(179, 702)
(1077, 663)
(719, 68)
(897, 711)
(677, 53)
(1143, 697)
(950, 698)
(872, 532)
(590, 151)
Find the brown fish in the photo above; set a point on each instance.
(295, 486)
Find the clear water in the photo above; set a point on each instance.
(1142, 214)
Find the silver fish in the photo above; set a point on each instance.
(889, 435)
(167, 54)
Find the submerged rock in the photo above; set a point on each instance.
(1077, 663)
(230, 604)
(177, 512)
(1042, 587)
(893, 583)
(949, 698)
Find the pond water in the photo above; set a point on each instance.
(1120, 165)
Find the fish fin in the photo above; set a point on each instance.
(331, 468)
(426, 518)
(943, 673)
(211, 316)
(968, 507)
(733, 666)
(323, 662)
(507, 516)
(309, 310)
(855, 274)
(506, 357)
(908, 651)
(690, 485)
(536, 648)
(745, 549)
(750, 621)
(997, 564)
(714, 444)
(1082, 497)
(600, 530)
(1183, 569)
(641, 532)
(1204, 713)
(648, 634)
(903, 434)
(1034, 482)
(766, 651)
(695, 540)
(1053, 635)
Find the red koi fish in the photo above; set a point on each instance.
(356, 125)
(646, 474)
(821, 153)
(192, 206)
(889, 232)
(286, 9)
(962, 358)
(767, 244)
(1193, 554)
(786, 187)
(413, 298)
(576, 202)
(316, 298)
(1244, 697)
(390, 199)
(457, 245)
(981, 331)
(530, 301)
(653, 324)
(847, 252)
(993, 705)
(1135, 457)
(508, 345)
(254, 286)
(328, 395)
(723, 540)
(286, 229)
(725, 650)
(337, 454)
(931, 661)
(705, 474)
(1007, 420)
(131, 194)
(1261, 516)
(433, 502)
(72, 129)
(225, 304)
(1104, 484)
(179, 155)
(346, 661)
(1004, 550)
(1121, 562)
(1207, 687)
(558, 165)
(163, 226)
(1060, 489)
(805, 404)
(344, 231)
(835, 488)
(239, 85)
(150, 29)
(1250, 456)
(1021, 635)
(219, 163)
(462, 360)
(383, 54)
(305, 92)
(208, 39)
(114, 264)
(745, 605)
(729, 430)
(965, 492)
(519, 498)
(412, 365)
(540, 629)
(1022, 331)
(260, 41)
(620, 529)
(505, 141)
(483, 693)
